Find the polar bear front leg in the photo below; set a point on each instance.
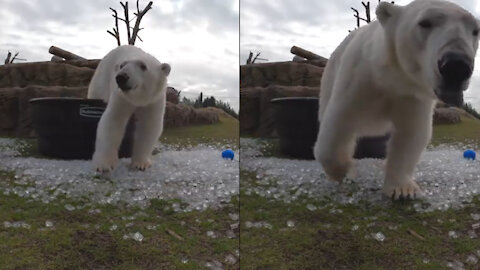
(110, 132)
(335, 144)
(148, 128)
(412, 131)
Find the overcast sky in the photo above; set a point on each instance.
(272, 27)
(198, 38)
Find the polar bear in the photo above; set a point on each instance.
(386, 77)
(131, 82)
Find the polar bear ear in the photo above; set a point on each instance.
(386, 10)
(165, 69)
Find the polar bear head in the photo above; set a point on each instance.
(433, 41)
(143, 80)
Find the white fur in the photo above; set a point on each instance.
(146, 98)
(380, 79)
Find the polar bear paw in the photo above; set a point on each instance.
(141, 164)
(406, 190)
(104, 163)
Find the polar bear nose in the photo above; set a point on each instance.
(455, 68)
(122, 80)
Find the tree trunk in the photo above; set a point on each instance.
(64, 54)
(306, 54)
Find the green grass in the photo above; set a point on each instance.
(468, 132)
(322, 240)
(80, 239)
(226, 132)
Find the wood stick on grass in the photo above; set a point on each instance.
(174, 234)
(414, 233)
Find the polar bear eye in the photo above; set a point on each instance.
(143, 67)
(475, 32)
(426, 24)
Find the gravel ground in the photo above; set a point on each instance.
(447, 179)
(197, 176)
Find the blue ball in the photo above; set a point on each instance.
(228, 154)
(469, 154)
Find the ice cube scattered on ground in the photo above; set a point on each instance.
(198, 176)
(447, 179)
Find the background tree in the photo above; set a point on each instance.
(211, 101)
(251, 59)
(368, 13)
(9, 59)
(132, 32)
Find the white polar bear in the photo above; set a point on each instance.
(385, 77)
(131, 82)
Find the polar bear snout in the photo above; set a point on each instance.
(122, 81)
(455, 69)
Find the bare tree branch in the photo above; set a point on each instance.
(7, 60)
(14, 57)
(126, 20)
(257, 58)
(136, 28)
(356, 15)
(250, 56)
(132, 32)
(116, 33)
(10, 59)
(367, 11)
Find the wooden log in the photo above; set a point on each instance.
(64, 54)
(297, 58)
(306, 54)
(57, 59)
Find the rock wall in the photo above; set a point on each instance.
(45, 74)
(260, 83)
(280, 73)
(21, 82)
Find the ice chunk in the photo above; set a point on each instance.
(379, 236)
(230, 259)
(453, 234)
(137, 237)
(471, 259)
(69, 207)
(211, 234)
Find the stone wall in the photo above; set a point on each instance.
(260, 83)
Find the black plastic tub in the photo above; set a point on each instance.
(296, 122)
(66, 127)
